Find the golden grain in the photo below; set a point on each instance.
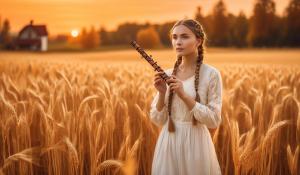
(90, 118)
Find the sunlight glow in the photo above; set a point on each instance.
(74, 33)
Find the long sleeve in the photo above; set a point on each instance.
(158, 117)
(210, 114)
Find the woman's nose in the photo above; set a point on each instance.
(178, 42)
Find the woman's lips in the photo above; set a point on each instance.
(179, 49)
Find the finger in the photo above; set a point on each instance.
(172, 84)
(172, 89)
(171, 80)
(159, 73)
(173, 76)
(157, 78)
(158, 81)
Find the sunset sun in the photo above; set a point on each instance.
(74, 33)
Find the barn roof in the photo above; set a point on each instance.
(41, 30)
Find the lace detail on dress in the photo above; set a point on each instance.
(210, 114)
(158, 117)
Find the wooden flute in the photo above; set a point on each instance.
(150, 60)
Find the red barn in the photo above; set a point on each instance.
(33, 37)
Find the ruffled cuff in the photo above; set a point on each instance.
(210, 116)
(158, 117)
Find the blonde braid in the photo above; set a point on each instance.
(199, 63)
(171, 126)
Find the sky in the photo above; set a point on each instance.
(62, 16)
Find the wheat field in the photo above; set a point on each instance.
(78, 114)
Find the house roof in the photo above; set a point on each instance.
(41, 30)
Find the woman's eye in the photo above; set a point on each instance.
(175, 37)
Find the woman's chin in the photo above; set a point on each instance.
(180, 54)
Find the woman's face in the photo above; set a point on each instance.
(184, 41)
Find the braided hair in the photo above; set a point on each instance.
(197, 29)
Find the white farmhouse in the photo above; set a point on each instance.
(33, 37)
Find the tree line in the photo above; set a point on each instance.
(264, 28)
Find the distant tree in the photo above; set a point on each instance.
(198, 15)
(231, 19)
(104, 36)
(94, 39)
(0, 29)
(83, 38)
(164, 31)
(0, 22)
(263, 30)
(238, 29)
(220, 28)
(5, 36)
(292, 23)
(148, 37)
(126, 32)
(89, 39)
(203, 20)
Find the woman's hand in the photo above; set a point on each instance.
(176, 85)
(159, 83)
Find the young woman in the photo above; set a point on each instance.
(187, 107)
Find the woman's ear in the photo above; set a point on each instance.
(199, 42)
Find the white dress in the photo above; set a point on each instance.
(189, 150)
